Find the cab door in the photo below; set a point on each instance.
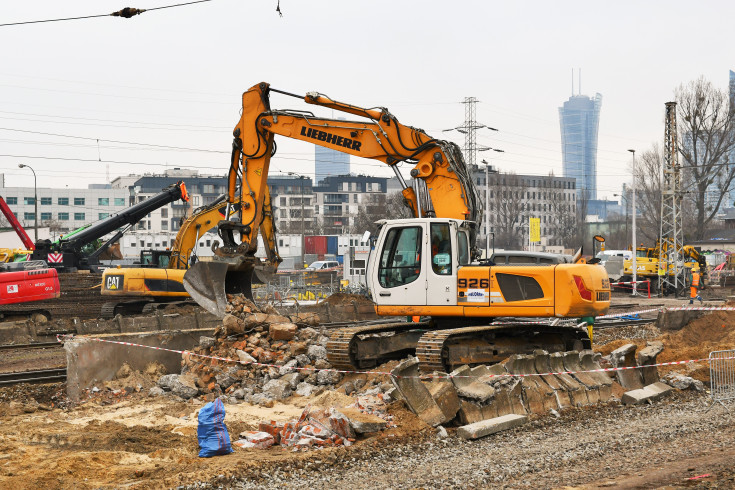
(400, 275)
(441, 288)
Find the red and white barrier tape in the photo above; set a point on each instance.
(431, 376)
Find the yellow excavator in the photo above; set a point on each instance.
(159, 280)
(426, 266)
(648, 267)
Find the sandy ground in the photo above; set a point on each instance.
(120, 437)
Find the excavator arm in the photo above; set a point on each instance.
(444, 185)
(449, 190)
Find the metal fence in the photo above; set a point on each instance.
(722, 376)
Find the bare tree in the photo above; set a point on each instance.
(648, 168)
(376, 207)
(564, 220)
(507, 206)
(706, 126)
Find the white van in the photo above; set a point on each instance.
(606, 254)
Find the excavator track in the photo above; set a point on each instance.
(368, 346)
(444, 350)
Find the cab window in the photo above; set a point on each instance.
(400, 260)
(441, 249)
(463, 251)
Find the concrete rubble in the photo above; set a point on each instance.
(279, 356)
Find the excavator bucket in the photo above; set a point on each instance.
(208, 283)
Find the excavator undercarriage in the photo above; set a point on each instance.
(445, 349)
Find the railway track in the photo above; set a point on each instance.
(34, 345)
(40, 376)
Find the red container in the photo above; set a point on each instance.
(316, 245)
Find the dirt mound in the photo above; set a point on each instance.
(338, 299)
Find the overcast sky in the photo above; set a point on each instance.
(174, 77)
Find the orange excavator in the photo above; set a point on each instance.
(425, 266)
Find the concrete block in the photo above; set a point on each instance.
(469, 412)
(468, 385)
(589, 360)
(363, 423)
(676, 320)
(89, 362)
(624, 356)
(647, 356)
(543, 365)
(445, 396)
(406, 380)
(537, 394)
(575, 391)
(649, 393)
(587, 383)
(491, 426)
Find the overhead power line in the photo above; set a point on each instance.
(125, 13)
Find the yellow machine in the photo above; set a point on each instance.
(424, 266)
(648, 267)
(160, 277)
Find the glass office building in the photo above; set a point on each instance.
(329, 162)
(579, 118)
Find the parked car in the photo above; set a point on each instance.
(320, 265)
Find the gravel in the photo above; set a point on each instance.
(582, 446)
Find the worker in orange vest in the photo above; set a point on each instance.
(694, 289)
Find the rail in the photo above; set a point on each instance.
(39, 376)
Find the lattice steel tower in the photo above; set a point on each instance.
(469, 128)
(672, 236)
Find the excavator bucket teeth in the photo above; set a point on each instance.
(209, 283)
(205, 283)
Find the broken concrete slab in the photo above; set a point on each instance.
(405, 377)
(590, 361)
(576, 392)
(491, 426)
(646, 357)
(537, 394)
(589, 384)
(624, 356)
(647, 394)
(445, 396)
(468, 385)
(469, 412)
(542, 365)
(363, 423)
(677, 319)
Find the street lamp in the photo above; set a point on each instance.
(301, 182)
(633, 238)
(35, 197)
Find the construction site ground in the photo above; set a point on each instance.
(118, 436)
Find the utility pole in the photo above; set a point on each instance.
(672, 236)
(635, 247)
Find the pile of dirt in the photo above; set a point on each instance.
(711, 332)
(339, 299)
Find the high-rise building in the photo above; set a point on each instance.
(330, 162)
(580, 118)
